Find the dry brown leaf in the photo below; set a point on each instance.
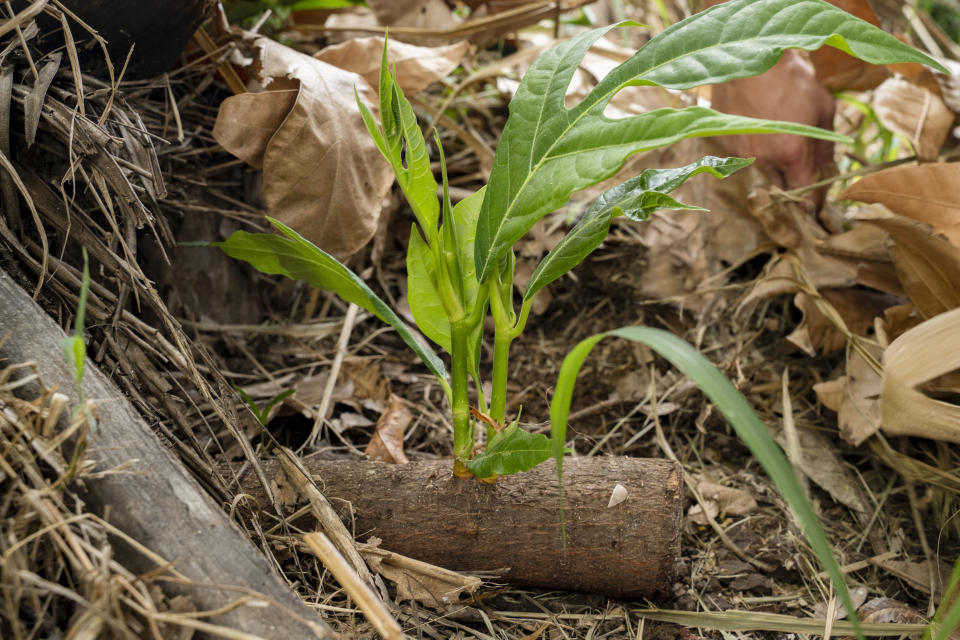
(820, 462)
(917, 574)
(917, 113)
(386, 444)
(322, 173)
(788, 224)
(434, 15)
(837, 70)
(928, 265)
(926, 193)
(415, 67)
(424, 583)
(865, 247)
(929, 350)
(855, 397)
(818, 334)
(863, 242)
(895, 321)
(247, 121)
(830, 393)
(722, 500)
(888, 610)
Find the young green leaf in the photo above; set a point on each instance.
(297, 258)
(422, 294)
(636, 198)
(734, 408)
(547, 152)
(401, 143)
(74, 348)
(511, 451)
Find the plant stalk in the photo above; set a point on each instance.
(462, 429)
(503, 319)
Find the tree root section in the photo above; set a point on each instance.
(512, 527)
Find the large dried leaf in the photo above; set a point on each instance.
(919, 355)
(247, 121)
(414, 67)
(322, 174)
(917, 113)
(927, 193)
(928, 265)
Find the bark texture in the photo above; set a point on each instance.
(421, 510)
(155, 502)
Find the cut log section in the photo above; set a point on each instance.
(154, 501)
(512, 527)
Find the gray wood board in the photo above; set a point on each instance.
(155, 501)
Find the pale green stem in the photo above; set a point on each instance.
(503, 322)
(462, 429)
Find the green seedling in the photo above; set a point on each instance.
(460, 261)
(74, 347)
(263, 414)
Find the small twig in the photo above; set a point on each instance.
(342, 344)
(324, 512)
(371, 606)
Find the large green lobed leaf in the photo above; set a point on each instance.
(547, 151)
(293, 256)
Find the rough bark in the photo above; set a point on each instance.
(155, 502)
(421, 510)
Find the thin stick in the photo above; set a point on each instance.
(371, 606)
(324, 512)
(342, 343)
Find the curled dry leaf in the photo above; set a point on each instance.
(917, 113)
(925, 192)
(387, 441)
(928, 265)
(918, 574)
(919, 355)
(865, 247)
(424, 583)
(322, 173)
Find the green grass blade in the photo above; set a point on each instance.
(734, 408)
